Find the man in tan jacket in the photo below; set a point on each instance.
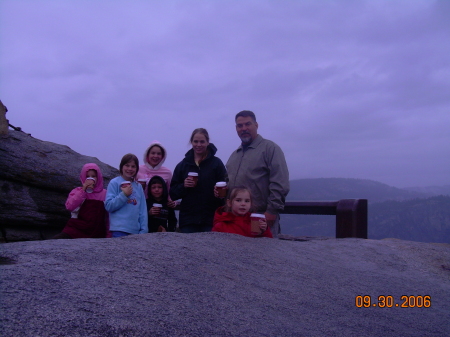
(259, 164)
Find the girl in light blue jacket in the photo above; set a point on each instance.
(125, 200)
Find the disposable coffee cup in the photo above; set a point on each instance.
(125, 183)
(143, 182)
(194, 176)
(254, 218)
(90, 188)
(221, 187)
(159, 206)
(162, 213)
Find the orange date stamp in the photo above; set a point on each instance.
(383, 301)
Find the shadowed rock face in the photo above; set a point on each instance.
(216, 284)
(3, 120)
(35, 180)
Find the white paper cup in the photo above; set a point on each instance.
(90, 188)
(222, 189)
(159, 206)
(254, 217)
(143, 183)
(125, 183)
(194, 176)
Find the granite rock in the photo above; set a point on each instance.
(3, 121)
(217, 284)
(35, 179)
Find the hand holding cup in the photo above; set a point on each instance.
(262, 225)
(258, 223)
(191, 180)
(126, 188)
(188, 182)
(89, 184)
(155, 210)
(220, 189)
(143, 183)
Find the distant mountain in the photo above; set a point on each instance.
(431, 190)
(348, 188)
(308, 225)
(426, 220)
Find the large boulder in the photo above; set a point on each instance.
(217, 284)
(35, 180)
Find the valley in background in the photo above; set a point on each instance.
(415, 213)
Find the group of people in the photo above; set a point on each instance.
(144, 197)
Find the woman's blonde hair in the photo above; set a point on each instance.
(203, 132)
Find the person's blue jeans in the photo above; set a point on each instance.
(118, 234)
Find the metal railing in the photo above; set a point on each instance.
(351, 214)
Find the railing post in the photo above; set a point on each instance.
(351, 218)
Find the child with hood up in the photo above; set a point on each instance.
(160, 219)
(154, 157)
(86, 203)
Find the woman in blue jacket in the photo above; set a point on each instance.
(198, 202)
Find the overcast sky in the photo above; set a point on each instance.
(351, 89)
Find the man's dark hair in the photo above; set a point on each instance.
(245, 113)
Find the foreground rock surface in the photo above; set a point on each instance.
(216, 284)
(35, 179)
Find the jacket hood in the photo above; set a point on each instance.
(160, 180)
(99, 183)
(212, 149)
(157, 167)
(222, 215)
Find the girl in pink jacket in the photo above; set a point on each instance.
(86, 204)
(154, 157)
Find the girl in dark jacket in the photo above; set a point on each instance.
(198, 202)
(161, 217)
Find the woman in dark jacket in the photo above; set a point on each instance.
(198, 202)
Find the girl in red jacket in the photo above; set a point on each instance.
(235, 216)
